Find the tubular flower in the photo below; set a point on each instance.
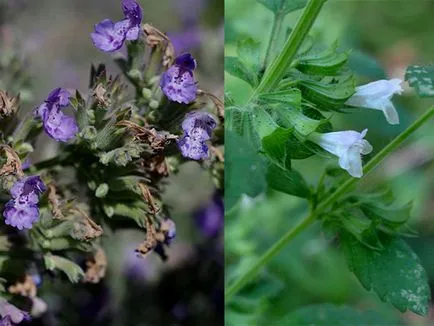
(56, 124)
(178, 82)
(197, 127)
(377, 95)
(22, 210)
(348, 146)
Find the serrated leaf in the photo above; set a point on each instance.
(329, 93)
(288, 181)
(244, 169)
(394, 273)
(264, 123)
(283, 6)
(422, 79)
(237, 68)
(325, 62)
(394, 215)
(328, 315)
(71, 269)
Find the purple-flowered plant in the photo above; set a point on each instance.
(178, 82)
(110, 36)
(210, 219)
(57, 125)
(22, 210)
(197, 127)
(11, 315)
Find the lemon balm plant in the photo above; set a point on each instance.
(296, 90)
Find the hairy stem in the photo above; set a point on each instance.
(304, 223)
(277, 69)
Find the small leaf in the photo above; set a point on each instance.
(296, 119)
(237, 68)
(291, 97)
(264, 123)
(276, 148)
(328, 315)
(325, 62)
(245, 169)
(394, 273)
(422, 79)
(283, 6)
(330, 93)
(288, 181)
(71, 269)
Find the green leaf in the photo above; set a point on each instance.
(296, 119)
(422, 79)
(325, 62)
(390, 214)
(245, 169)
(291, 97)
(237, 68)
(394, 273)
(288, 181)
(71, 269)
(264, 123)
(283, 6)
(328, 315)
(329, 93)
(240, 121)
(276, 148)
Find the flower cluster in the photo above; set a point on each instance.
(349, 145)
(22, 210)
(178, 82)
(110, 36)
(197, 127)
(56, 124)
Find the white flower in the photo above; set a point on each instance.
(347, 145)
(377, 95)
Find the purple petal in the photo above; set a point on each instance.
(19, 215)
(109, 37)
(199, 125)
(186, 61)
(179, 85)
(190, 148)
(132, 11)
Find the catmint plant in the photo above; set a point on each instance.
(116, 151)
(297, 89)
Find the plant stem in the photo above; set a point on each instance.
(344, 188)
(278, 67)
(267, 256)
(275, 31)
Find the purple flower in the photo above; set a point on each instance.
(196, 150)
(10, 314)
(110, 37)
(56, 124)
(178, 82)
(210, 218)
(22, 211)
(197, 127)
(133, 14)
(170, 232)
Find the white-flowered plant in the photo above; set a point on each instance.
(348, 146)
(287, 119)
(378, 96)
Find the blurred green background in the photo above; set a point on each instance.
(384, 37)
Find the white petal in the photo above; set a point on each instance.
(354, 161)
(390, 113)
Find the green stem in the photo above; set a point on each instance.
(278, 67)
(275, 31)
(304, 223)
